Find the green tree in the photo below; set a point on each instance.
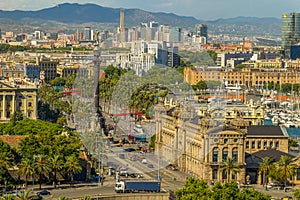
(198, 189)
(8, 197)
(265, 167)
(25, 195)
(55, 164)
(193, 189)
(152, 141)
(287, 166)
(293, 143)
(85, 198)
(6, 160)
(252, 194)
(58, 81)
(212, 54)
(297, 194)
(230, 165)
(26, 169)
(41, 167)
(17, 116)
(73, 166)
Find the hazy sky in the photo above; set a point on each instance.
(201, 9)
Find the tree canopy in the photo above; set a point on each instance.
(199, 190)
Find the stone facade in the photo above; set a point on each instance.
(198, 145)
(17, 98)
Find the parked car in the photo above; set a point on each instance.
(122, 156)
(150, 166)
(44, 192)
(144, 161)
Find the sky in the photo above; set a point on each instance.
(200, 9)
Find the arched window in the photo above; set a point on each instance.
(225, 153)
(235, 154)
(215, 174)
(215, 155)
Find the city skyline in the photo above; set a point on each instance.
(203, 9)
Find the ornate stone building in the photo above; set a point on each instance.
(17, 98)
(199, 144)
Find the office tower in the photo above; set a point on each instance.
(175, 34)
(122, 27)
(201, 30)
(290, 30)
(87, 33)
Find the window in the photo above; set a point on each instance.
(259, 144)
(225, 141)
(29, 104)
(265, 144)
(215, 174)
(253, 145)
(233, 175)
(20, 104)
(247, 145)
(235, 154)
(225, 154)
(298, 174)
(224, 174)
(235, 140)
(271, 144)
(277, 145)
(215, 155)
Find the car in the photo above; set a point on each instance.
(133, 175)
(171, 167)
(122, 156)
(144, 161)
(44, 192)
(129, 150)
(150, 166)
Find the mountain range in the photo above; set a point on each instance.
(67, 15)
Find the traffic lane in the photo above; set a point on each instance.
(82, 191)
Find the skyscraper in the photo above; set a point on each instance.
(87, 35)
(290, 30)
(201, 30)
(122, 27)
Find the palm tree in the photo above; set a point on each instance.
(85, 198)
(26, 168)
(265, 167)
(6, 160)
(26, 195)
(8, 197)
(230, 165)
(73, 166)
(288, 167)
(41, 166)
(55, 164)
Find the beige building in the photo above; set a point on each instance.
(249, 77)
(199, 144)
(17, 98)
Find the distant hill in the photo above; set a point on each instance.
(84, 13)
(67, 16)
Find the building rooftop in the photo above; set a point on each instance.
(265, 131)
(271, 153)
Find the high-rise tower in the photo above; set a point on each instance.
(122, 27)
(290, 30)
